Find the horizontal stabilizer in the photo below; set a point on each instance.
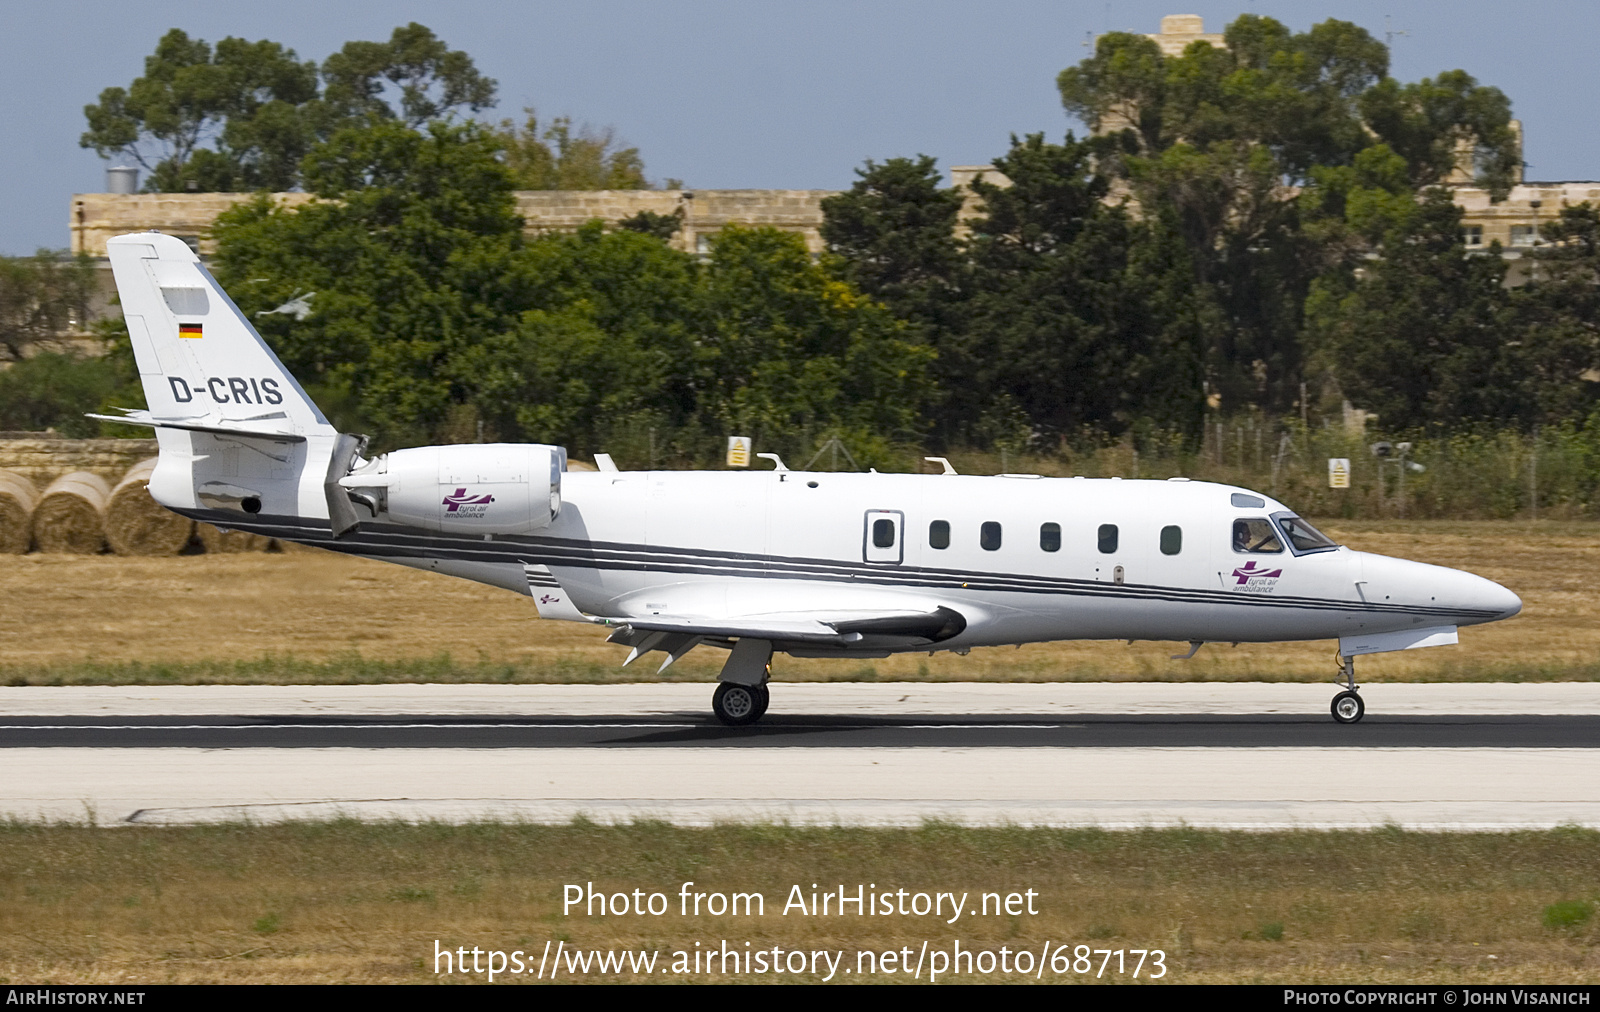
(261, 427)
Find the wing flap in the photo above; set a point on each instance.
(832, 628)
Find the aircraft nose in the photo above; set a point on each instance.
(1475, 593)
(1508, 603)
(1473, 598)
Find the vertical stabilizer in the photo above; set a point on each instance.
(234, 426)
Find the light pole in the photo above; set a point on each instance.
(1398, 454)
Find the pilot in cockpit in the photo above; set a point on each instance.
(1255, 536)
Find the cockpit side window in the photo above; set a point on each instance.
(1303, 537)
(1256, 535)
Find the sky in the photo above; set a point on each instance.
(759, 95)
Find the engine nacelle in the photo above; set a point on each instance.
(471, 488)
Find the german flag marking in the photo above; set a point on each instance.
(189, 330)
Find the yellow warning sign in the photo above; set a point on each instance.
(738, 451)
(1338, 472)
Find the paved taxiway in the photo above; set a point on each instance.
(1479, 756)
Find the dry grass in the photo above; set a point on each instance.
(365, 903)
(321, 617)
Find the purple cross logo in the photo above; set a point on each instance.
(460, 499)
(1246, 571)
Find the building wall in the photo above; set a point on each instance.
(97, 217)
(1515, 222)
(43, 460)
(1179, 31)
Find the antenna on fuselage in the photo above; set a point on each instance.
(834, 446)
(941, 461)
(778, 464)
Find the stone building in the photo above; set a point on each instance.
(97, 217)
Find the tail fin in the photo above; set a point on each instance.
(197, 353)
(234, 426)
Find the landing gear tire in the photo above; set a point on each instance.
(1348, 708)
(738, 705)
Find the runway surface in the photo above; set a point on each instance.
(821, 731)
(1480, 756)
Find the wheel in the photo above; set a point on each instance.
(763, 697)
(1348, 707)
(737, 705)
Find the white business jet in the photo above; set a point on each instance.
(803, 563)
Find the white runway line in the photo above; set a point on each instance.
(863, 698)
(1260, 788)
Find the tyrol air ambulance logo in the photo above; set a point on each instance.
(1253, 579)
(466, 507)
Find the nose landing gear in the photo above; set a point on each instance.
(1347, 706)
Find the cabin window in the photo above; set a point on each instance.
(883, 533)
(939, 534)
(1050, 537)
(880, 541)
(1171, 540)
(1108, 538)
(989, 536)
(1256, 535)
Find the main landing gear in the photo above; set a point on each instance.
(738, 705)
(1347, 706)
(741, 697)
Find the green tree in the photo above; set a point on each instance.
(434, 81)
(611, 336)
(1082, 314)
(662, 226)
(1430, 123)
(1227, 142)
(42, 297)
(557, 158)
(432, 315)
(1426, 336)
(245, 98)
(242, 116)
(790, 350)
(53, 390)
(893, 234)
(411, 252)
(1558, 315)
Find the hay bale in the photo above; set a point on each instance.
(138, 525)
(217, 540)
(70, 517)
(18, 497)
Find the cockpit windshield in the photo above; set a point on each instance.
(1302, 537)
